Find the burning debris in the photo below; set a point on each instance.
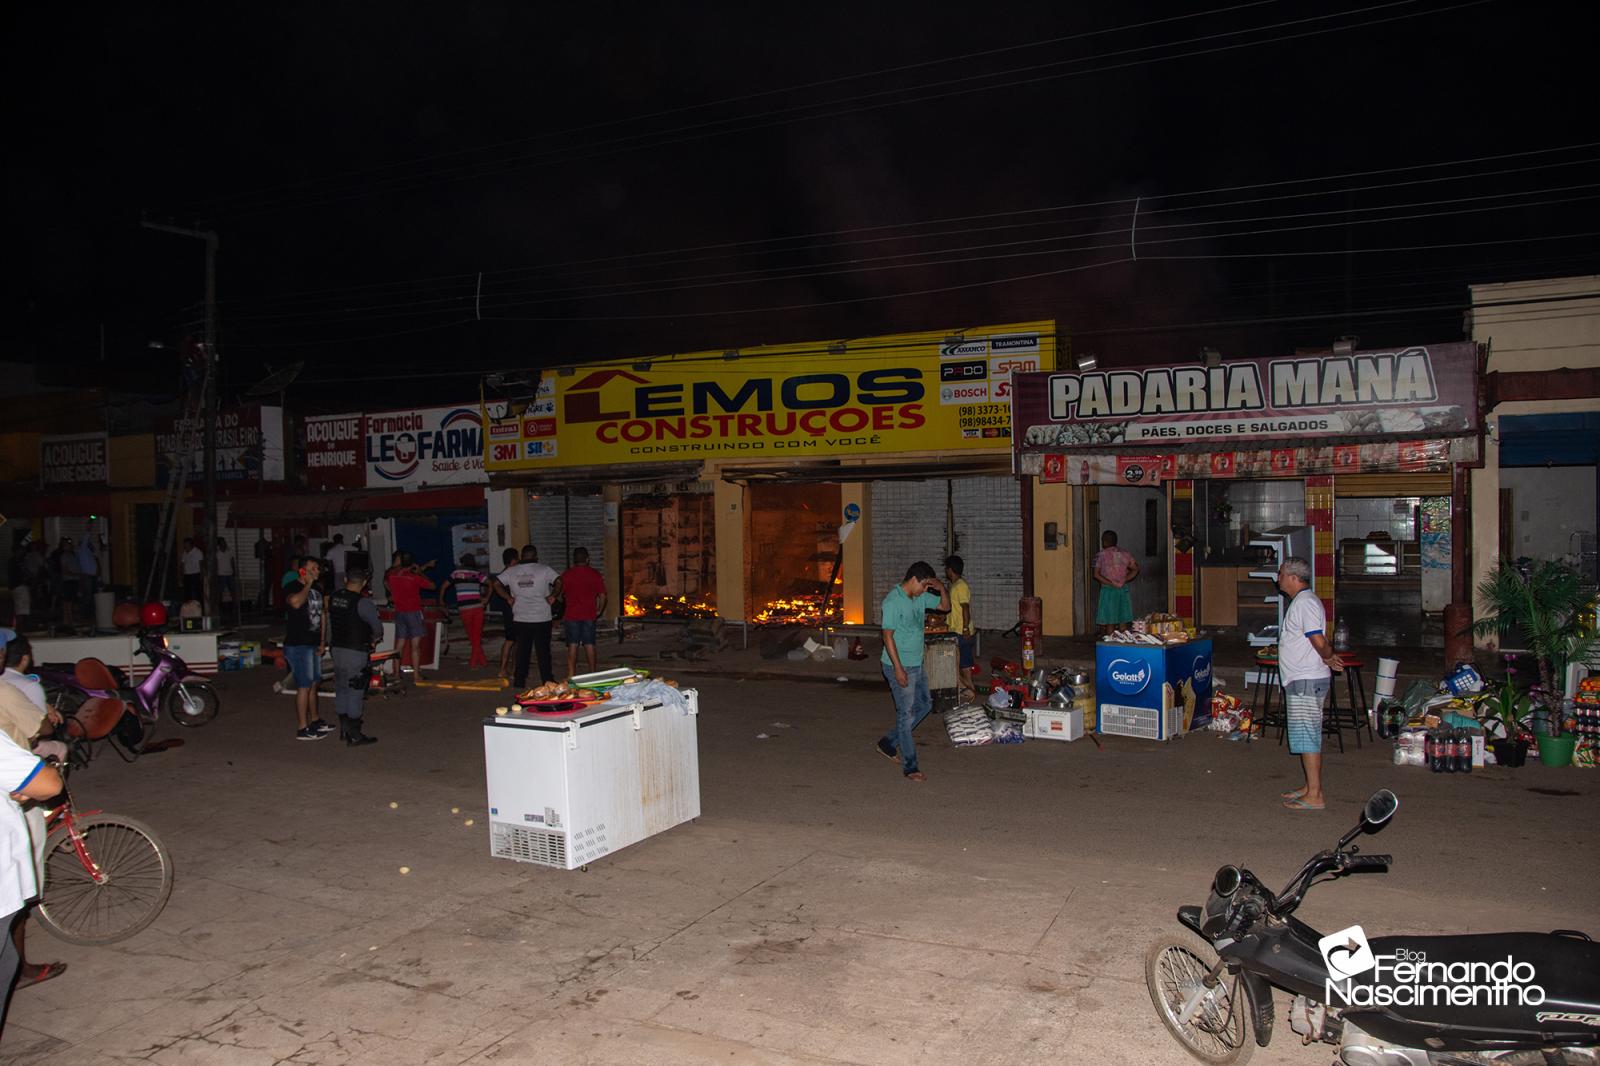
(803, 606)
(667, 607)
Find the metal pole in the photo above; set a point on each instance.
(213, 601)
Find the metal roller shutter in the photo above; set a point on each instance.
(907, 525)
(1385, 485)
(988, 526)
(559, 524)
(242, 544)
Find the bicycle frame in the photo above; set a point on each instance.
(66, 814)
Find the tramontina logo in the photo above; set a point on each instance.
(1358, 977)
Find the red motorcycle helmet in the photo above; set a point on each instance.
(153, 615)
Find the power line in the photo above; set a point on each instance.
(745, 246)
(948, 257)
(858, 352)
(605, 149)
(745, 97)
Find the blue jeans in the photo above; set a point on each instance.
(911, 705)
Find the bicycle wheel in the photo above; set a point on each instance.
(192, 702)
(1220, 1032)
(126, 890)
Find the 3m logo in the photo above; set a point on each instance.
(1346, 953)
(503, 453)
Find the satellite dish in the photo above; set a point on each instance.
(276, 381)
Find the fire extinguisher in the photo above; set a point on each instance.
(1028, 640)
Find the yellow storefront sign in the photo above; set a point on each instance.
(907, 392)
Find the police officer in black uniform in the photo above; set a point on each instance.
(353, 630)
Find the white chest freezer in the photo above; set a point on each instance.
(565, 789)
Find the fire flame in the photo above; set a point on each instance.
(667, 607)
(804, 609)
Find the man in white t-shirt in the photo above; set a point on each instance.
(193, 562)
(338, 558)
(1306, 665)
(528, 584)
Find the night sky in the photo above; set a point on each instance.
(637, 179)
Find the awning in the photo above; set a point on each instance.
(587, 479)
(351, 506)
(30, 501)
(838, 473)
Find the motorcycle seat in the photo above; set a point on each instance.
(96, 717)
(94, 674)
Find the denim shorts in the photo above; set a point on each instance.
(967, 648)
(303, 664)
(580, 632)
(408, 624)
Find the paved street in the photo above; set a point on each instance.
(821, 910)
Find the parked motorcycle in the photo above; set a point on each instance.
(98, 703)
(171, 686)
(1503, 998)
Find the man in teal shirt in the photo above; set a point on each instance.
(904, 617)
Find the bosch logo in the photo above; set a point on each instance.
(1133, 474)
(1128, 677)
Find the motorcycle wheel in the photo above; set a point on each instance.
(1221, 1032)
(191, 703)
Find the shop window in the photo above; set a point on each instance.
(668, 561)
(792, 552)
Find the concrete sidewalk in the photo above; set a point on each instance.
(822, 910)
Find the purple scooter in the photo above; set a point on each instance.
(171, 686)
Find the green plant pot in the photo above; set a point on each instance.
(1556, 751)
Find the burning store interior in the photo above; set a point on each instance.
(668, 557)
(795, 570)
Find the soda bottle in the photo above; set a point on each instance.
(1466, 762)
(1452, 753)
(1435, 743)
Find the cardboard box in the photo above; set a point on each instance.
(1053, 724)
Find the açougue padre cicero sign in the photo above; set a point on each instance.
(1423, 391)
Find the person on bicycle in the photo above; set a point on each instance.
(26, 777)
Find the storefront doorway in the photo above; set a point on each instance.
(1138, 516)
(792, 553)
(668, 562)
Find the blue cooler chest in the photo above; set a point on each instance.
(1130, 688)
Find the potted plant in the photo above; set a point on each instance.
(1509, 710)
(1549, 604)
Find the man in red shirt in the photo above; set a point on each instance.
(405, 596)
(584, 591)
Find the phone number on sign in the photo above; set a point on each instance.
(983, 415)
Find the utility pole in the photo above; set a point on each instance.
(213, 606)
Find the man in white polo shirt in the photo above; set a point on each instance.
(1306, 665)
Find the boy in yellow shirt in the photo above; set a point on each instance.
(961, 624)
